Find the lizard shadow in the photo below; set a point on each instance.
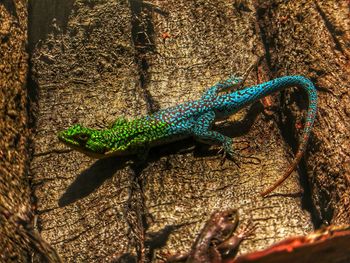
(233, 129)
(241, 127)
(91, 179)
(94, 176)
(153, 240)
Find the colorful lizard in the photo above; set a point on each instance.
(192, 118)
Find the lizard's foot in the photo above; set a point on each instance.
(236, 156)
(233, 83)
(229, 247)
(247, 230)
(228, 152)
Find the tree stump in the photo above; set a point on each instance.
(94, 61)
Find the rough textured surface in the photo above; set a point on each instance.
(312, 38)
(14, 187)
(97, 60)
(82, 209)
(20, 240)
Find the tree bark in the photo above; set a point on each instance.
(312, 38)
(14, 187)
(93, 61)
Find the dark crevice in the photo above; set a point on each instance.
(10, 7)
(261, 13)
(331, 28)
(44, 250)
(40, 22)
(286, 119)
(287, 123)
(136, 213)
(32, 109)
(143, 35)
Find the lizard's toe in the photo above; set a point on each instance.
(228, 152)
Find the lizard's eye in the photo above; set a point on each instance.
(82, 137)
(233, 217)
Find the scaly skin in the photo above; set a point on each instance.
(193, 118)
(217, 241)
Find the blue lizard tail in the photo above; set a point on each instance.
(240, 98)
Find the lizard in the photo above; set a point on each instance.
(217, 241)
(192, 118)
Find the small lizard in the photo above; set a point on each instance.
(192, 118)
(217, 241)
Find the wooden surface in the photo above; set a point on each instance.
(14, 188)
(95, 61)
(312, 38)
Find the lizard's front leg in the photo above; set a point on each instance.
(229, 84)
(120, 121)
(201, 132)
(214, 91)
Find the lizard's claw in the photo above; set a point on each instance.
(227, 151)
(223, 157)
(248, 229)
(235, 156)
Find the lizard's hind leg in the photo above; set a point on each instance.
(201, 132)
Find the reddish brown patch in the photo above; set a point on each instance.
(326, 245)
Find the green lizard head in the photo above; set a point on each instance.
(85, 140)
